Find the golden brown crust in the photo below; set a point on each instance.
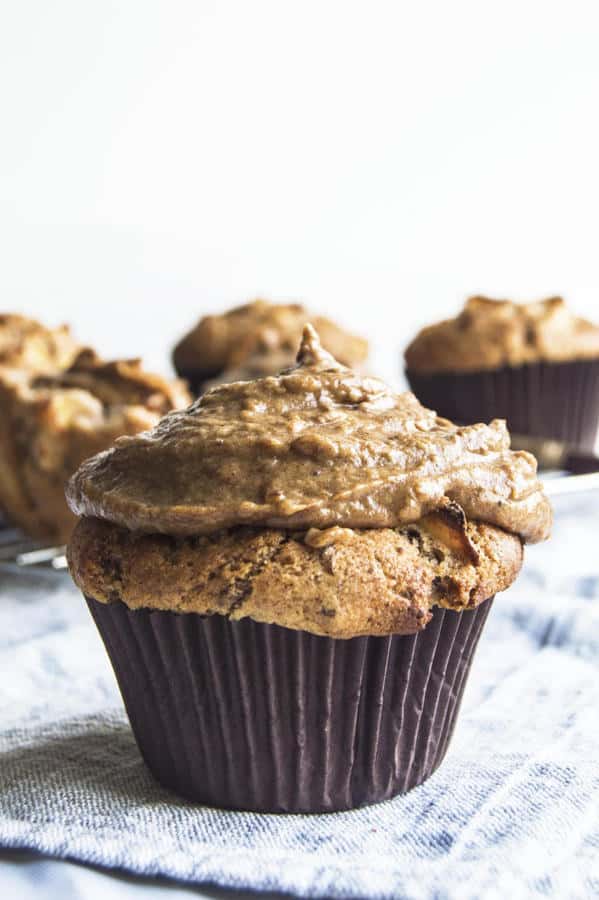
(489, 334)
(50, 424)
(340, 582)
(258, 337)
(29, 346)
(118, 383)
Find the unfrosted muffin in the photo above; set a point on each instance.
(259, 338)
(290, 578)
(534, 364)
(50, 423)
(29, 346)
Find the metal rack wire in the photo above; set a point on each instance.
(16, 549)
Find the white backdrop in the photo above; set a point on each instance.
(379, 160)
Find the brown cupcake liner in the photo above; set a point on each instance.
(551, 400)
(196, 379)
(244, 715)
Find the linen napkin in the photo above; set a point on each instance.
(512, 811)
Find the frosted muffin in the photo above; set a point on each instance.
(51, 423)
(290, 578)
(534, 364)
(257, 339)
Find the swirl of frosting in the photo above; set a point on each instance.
(315, 446)
(489, 334)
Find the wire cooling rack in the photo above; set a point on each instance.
(17, 550)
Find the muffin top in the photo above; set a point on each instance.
(490, 334)
(312, 448)
(112, 387)
(259, 337)
(28, 345)
(336, 582)
(53, 422)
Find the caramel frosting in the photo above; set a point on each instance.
(29, 346)
(489, 334)
(314, 447)
(259, 337)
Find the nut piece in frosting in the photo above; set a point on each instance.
(50, 423)
(314, 447)
(256, 339)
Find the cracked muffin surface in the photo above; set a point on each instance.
(316, 500)
(50, 423)
(489, 334)
(29, 346)
(336, 582)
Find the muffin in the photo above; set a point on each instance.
(259, 338)
(51, 423)
(29, 346)
(291, 577)
(534, 364)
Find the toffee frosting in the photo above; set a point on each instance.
(314, 447)
(489, 334)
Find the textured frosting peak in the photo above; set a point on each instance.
(312, 353)
(313, 447)
(489, 334)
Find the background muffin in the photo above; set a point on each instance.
(29, 346)
(291, 577)
(50, 423)
(535, 364)
(259, 338)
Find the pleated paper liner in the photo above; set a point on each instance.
(249, 716)
(551, 400)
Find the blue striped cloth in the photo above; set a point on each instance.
(512, 812)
